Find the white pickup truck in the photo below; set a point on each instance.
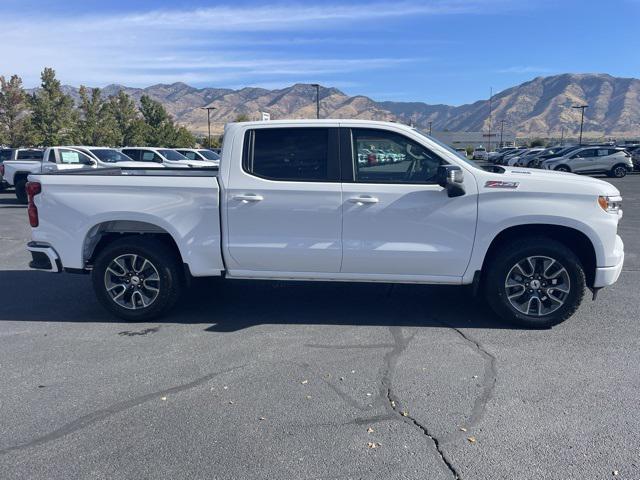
(292, 202)
(56, 159)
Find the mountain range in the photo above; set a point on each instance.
(539, 107)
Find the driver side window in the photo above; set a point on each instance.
(386, 157)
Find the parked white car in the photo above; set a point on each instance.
(106, 157)
(203, 154)
(55, 159)
(287, 204)
(165, 156)
(480, 153)
(614, 161)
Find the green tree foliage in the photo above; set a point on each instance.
(14, 118)
(129, 128)
(537, 142)
(53, 118)
(242, 118)
(97, 124)
(160, 129)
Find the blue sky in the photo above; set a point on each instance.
(435, 51)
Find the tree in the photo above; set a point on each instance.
(14, 119)
(97, 125)
(53, 117)
(160, 129)
(537, 142)
(243, 117)
(129, 128)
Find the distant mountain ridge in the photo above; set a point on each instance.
(539, 107)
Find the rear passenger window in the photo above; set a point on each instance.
(190, 155)
(148, 156)
(297, 154)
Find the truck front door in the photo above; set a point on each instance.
(284, 204)
(396, 219)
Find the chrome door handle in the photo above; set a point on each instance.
(249, 197)
(363, 199)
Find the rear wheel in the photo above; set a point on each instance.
(618, 171)
(562, 168)
(535, 282)
(21, 190)
(137, 278)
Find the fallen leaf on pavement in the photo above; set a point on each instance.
(471, 439)
(404, 414)
(462, 429)
(163, 398)
(373, 445)
(369, 430)
(615, 473)
(304, 382)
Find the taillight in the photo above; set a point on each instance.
(33, 189)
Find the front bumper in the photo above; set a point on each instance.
(44, 257)
(606, 276)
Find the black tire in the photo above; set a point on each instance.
(562, 168)
(504, 262)
(21, 190)
(164, 259)
(618, 171)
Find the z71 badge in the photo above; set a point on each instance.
(499, 184)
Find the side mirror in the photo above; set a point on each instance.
(451, 178)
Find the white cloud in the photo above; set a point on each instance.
(525, 69)
(219, 45)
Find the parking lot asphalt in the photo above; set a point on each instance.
(275, 380)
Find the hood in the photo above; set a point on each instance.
(134, 164)
(552, 181)
(200, 163)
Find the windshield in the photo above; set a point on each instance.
(110, 156)
(449, 149)
(209, 155)
(172, 155)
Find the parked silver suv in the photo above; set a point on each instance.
(614, 161)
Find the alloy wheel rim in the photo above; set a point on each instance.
(537, 285)
(132, 281)
(619, 172)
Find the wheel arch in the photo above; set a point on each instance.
(572, 238)
(557, 167)
(104, 233)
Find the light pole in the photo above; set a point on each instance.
(317, 99)
(208, 109)
(501, 132)
(430, 128)
(562, 137)
(490, 112)
(581, 107)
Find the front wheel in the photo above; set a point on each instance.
(562, 168)
(137, 278)
(535, 282)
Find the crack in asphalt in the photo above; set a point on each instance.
(489, 380)
(393, 403)
(94, 417)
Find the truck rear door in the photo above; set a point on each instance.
(284, 205)
(397, 221)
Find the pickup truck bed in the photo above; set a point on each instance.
(76, 216)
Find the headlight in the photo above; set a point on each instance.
(610, 204)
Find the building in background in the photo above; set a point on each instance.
(475, 139)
